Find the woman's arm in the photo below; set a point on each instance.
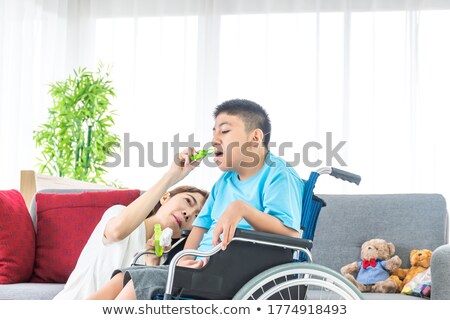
(119, 227)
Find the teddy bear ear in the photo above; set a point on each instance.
(413, 252)
(391, 248)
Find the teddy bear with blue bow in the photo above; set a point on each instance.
(374, 268)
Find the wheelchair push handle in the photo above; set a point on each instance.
(345, 175)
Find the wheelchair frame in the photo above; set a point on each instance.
(274, 278)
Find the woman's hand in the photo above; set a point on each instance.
(182, 165)
(152, 259)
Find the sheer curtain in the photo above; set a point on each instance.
(371, 76)
(40, 42)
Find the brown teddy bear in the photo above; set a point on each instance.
(420, 261)
(377, 261)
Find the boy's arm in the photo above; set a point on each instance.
(192, 242)
(260, 221)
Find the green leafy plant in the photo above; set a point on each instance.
(76, 140)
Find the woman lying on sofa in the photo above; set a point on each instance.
(123, 231)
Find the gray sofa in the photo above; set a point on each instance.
(410, 221)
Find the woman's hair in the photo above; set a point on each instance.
(178, 190)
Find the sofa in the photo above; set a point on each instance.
(410, 221)
(39, 247)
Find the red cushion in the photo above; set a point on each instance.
(64, 225)
(17, 239)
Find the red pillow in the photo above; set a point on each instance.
(17, 239)
(64, 225)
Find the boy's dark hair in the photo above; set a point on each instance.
(252, 114)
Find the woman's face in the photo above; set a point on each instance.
(179, 211)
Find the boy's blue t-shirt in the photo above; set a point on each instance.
(276, 189)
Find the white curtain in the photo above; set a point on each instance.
(373, 74)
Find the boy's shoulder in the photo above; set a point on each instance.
(225, 178)
(277, 165)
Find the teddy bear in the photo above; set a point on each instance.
(420, 261)
(377, 261)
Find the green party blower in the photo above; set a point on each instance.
(203, 153)
(158, 247)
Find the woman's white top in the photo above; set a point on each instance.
(99, 258)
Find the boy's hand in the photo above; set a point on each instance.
(227, 223)
(189, 263)
(260, 221)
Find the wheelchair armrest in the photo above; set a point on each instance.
(185, 233)
(176, 247)
(273, 238)
(250, 236)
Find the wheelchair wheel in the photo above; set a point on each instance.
(298, 281)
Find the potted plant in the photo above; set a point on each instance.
(76, 140)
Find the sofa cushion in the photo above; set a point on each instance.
(17, 239)
(388, 296)
(64, 224)
(30, 291)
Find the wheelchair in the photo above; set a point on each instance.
(263, 266)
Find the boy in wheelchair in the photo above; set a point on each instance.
(257, 190)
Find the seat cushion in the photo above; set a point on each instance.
(30, 291)
(64, 224)
(17, 238)
(389, 296)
